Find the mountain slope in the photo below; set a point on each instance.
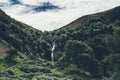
(99, 33)
(20, 43)
(86, 49)
(109, 16)
(23, 37)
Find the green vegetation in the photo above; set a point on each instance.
(86, 49)
(32, 70)
(91, 46)
(20, 36)
(79, 54)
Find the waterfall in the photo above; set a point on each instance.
(52, 52)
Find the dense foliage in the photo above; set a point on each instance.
(88, 50)
(94, 46)
(23, 37)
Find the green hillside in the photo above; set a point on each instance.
(23, 37)
(91, 43)
(86, 49)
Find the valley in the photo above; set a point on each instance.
(86, 49)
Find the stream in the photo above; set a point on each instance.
(52, 52)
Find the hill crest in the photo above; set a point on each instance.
(107, 16)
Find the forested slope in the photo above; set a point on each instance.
(23, 37)
(91, 43)
(86, 49)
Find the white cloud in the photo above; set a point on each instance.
(31, 2)
(34, 2)
(49, 20)
(4, 1)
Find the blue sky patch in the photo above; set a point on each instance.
(15, 1)
(45, 7)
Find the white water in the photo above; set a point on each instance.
(52, 52)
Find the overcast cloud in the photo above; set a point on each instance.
(54, 19)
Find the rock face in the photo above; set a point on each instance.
(2, 48)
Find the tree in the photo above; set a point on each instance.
(74, 49)
(12, 53)
(80, 54)
(46, 49)
(116, 41)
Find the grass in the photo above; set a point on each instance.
(2, 61)
(39, 73)
(55, 71)
(2, 56)
(17, 71)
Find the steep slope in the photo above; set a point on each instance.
(23, 37)
(86, 49)
(4, 18)
(16, 37)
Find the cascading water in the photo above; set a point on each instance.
(52, 52)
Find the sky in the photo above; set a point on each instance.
(48, 15)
